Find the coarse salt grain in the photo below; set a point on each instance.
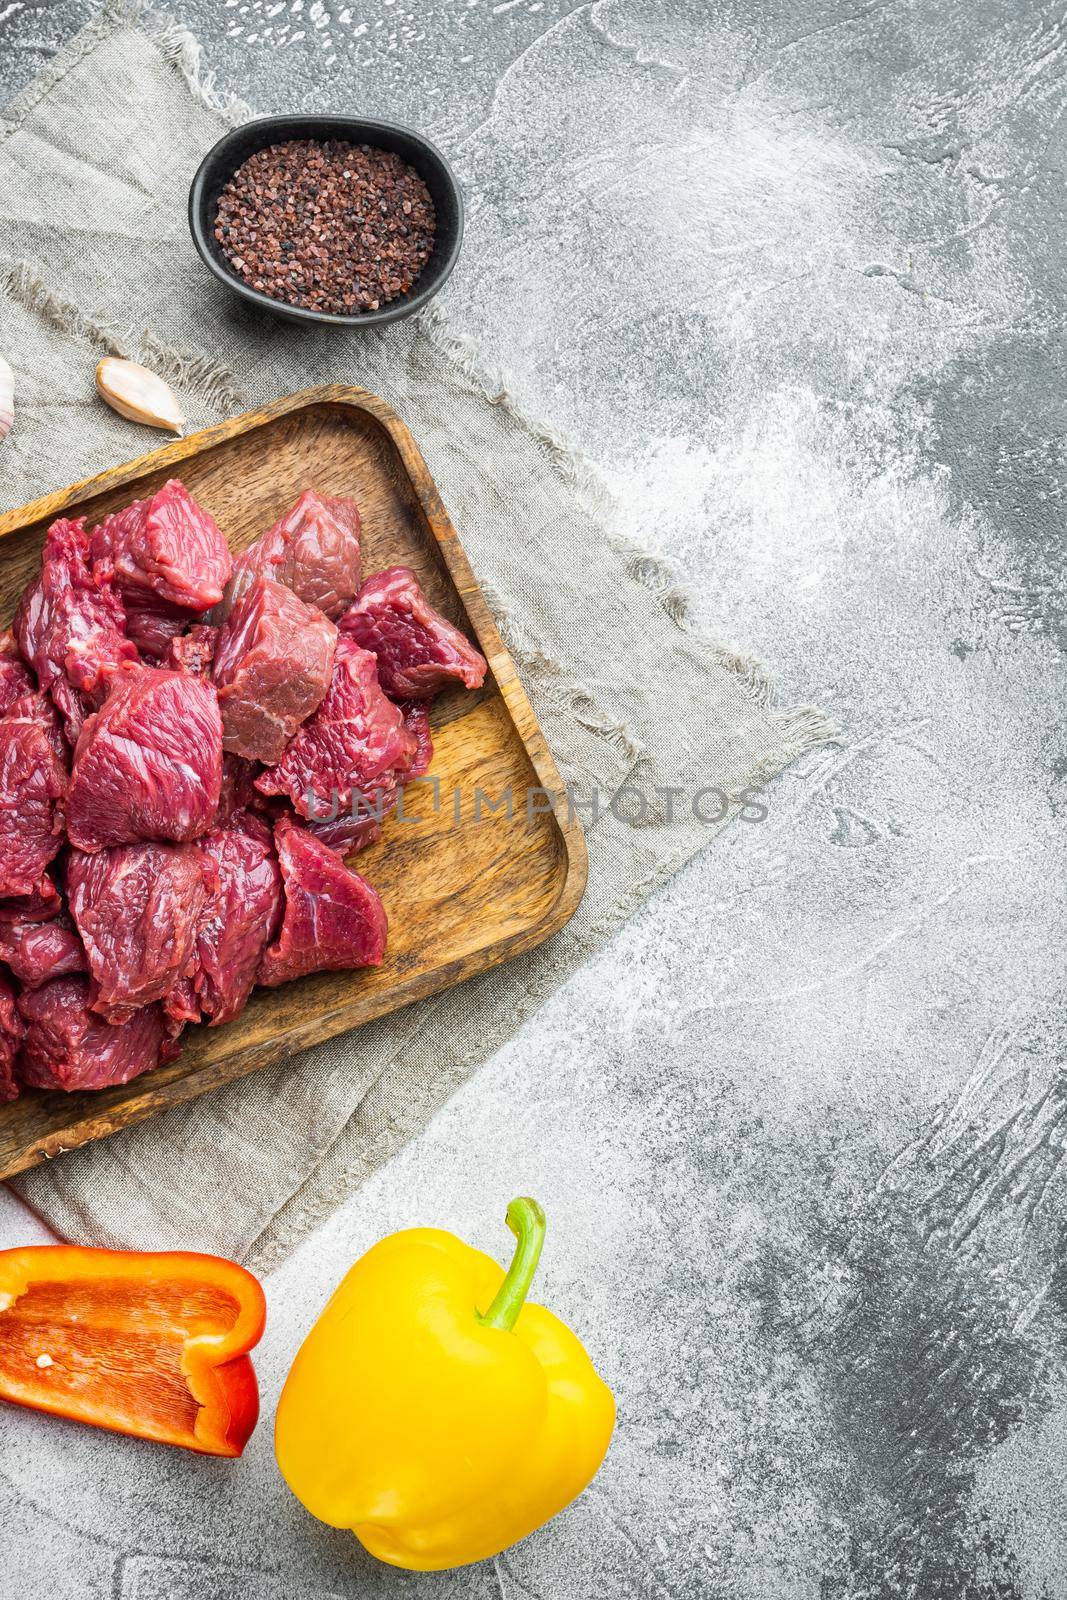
(326, 225)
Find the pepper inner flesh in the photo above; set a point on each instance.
(115, 1350)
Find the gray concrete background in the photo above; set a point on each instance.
(792, 274)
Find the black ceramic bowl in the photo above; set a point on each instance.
(220, 164)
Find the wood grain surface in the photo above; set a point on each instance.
(465, 886)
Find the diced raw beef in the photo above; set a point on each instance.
(419, 652)
(350, 832)
(37, 951)
(70, 626)
(239, 918)
(333, 918)
(272, 667)
(193, 651)
(15, 679)
(239, 790)
(357, 741)
(33, 782)
(166, 546)
(45, 901)
(11, 1032)
(181, 1005)
(417, 720)
(152, 624)
(149, 764)
(68, 1046)
(313, 550)
(361, 824)
(136, 908)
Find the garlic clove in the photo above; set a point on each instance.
(7, 398)
(138, 394)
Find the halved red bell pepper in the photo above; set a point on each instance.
(151, 1345)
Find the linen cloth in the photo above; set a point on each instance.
(95, 164)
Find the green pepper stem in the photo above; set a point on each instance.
(527, 1222)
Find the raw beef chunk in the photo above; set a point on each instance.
(239, 790)
(361, 824)
(193, 651)
(167, 547)
(70, 626)
(313, 550)
(153, 624)
(67, 1046)
(419, 651)
(239, 918)
(15, 679)
(149, 764)
(37, 951)
(417, 720)
(45, 901)
(272, 667)
(137, 908)
(33, 781)
(356, 743)
(351, 831)
(11, 1031)
(332, 919)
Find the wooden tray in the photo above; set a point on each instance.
(462, 894)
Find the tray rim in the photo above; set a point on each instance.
(88, 1125)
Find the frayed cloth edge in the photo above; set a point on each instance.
(175, 43)
(214, 384)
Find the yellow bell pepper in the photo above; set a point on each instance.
(434, 1412)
